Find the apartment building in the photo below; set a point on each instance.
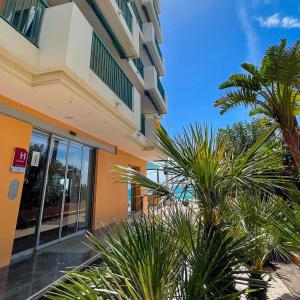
(80, 90)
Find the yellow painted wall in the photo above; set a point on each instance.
(110, 202)
(13, 133)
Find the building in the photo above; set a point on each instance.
(80, 90)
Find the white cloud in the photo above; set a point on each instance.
(251, 36)
(275, 21)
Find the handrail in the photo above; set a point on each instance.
(158, 48)
(123, 5)
(137, 15)
(105, 67)
(25, 16)
(143, 124)
(161, 88)
(139, 65)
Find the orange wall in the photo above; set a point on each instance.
(13, 133)
(110, 203)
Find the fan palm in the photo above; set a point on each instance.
(210, 171)
(183, 254)
(272, 224)
(272, 90)
(160, 259)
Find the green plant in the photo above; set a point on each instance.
(210, 170)
(272, 90)
(273, 226)
(243, 135)
(185, 253)
(163, 258)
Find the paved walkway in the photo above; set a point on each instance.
(290, 276)
(23, 279)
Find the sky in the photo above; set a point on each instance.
(205, 41)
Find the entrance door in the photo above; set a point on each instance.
(57, 192)
(25, 237)
(72, 194)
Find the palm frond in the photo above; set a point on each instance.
(243, 81)
(235, 98)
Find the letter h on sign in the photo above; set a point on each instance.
(19, 160)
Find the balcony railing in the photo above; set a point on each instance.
(143, 125)
(137, 14)
(139, 65)
(123, 5)
(106, 68)
(161, 89)
(25, 16)
(158, 48)
(155, 4)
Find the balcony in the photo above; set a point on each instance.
(152, 11)
(119, 17)
(106, 68)
(137, 15)
(71, 77)
(153, 47)
(139, 66)
(154, 87)
(161, 89)
(143, 125)
(157, 6)
(24, 16)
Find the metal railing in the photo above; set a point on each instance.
(105, 67)
(123, 5)
(158, 48)
(139, 65)
(137, 15)
(155, 5)
(161, 88)
(25, 16)
(143, 125)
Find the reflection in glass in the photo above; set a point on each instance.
(31, 194)
(71, 202)
(130, 197)
(86, 188)
(54, 192)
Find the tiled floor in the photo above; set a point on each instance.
(290, 276)
(24, 279)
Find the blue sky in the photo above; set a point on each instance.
(206, 40)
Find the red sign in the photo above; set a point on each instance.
(19, 160)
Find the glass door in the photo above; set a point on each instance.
(68, 191)
(72, 192)
(55, 192)
(25, 236)
(85, 188)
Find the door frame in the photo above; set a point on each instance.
(36, 246)
(60, 237)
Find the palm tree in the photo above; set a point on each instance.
(272, 90)
(210, 170)
(273, 224)
(163, 258)
(183, 254)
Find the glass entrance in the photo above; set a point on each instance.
(25, 237)
(57, 192)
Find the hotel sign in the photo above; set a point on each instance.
(19, 160)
